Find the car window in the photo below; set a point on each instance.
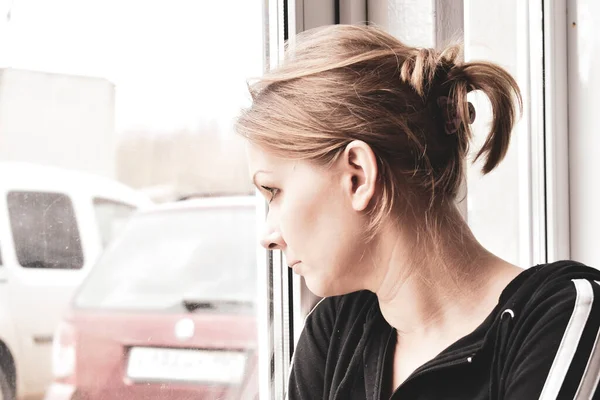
(45, 231)
(175, 260)
(111, 216)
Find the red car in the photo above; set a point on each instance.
(168, 312)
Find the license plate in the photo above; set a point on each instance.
(178, 365)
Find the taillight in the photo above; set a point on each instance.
(63, 351)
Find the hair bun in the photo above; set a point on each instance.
(427, 67)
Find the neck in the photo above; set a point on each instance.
(429, 287)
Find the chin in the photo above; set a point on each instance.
(323, 287)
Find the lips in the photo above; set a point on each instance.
(293, 263)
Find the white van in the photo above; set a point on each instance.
(54, 223)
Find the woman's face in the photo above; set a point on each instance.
(313, 219)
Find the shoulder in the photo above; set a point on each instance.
(563, 282)
(565, 270)
(556, 333)
(555, 290)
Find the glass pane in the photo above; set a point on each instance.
(498, 203)
(44, 230)
(142, 94)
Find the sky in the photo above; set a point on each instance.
(175, 63)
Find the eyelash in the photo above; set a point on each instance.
(271, 190)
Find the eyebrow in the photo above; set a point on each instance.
(258, 172)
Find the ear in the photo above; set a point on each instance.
(359, 173)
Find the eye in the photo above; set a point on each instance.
(272, 191)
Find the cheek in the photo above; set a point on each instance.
(326, 238)
(303, 209)
(299, 220)
(320, 229)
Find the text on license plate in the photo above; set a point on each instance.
(183, 365)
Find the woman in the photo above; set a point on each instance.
(359, 144)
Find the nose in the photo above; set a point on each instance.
(272, 240)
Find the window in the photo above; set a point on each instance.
(45, 232)
(144, 93)
(111, 217)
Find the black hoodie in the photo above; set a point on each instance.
(540, 342)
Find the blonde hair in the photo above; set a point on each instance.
(342, 83)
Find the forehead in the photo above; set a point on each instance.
(260, 159)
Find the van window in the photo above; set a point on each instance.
(111, 216)
(44, 229)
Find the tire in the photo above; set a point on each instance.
(6, 389)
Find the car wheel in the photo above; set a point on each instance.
(6, 390)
